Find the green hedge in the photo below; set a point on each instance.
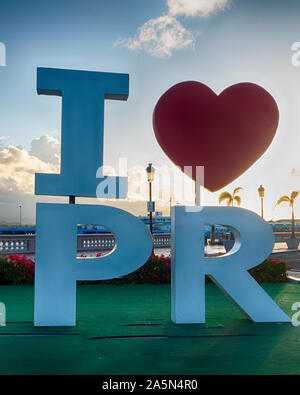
(157, 271)
(270, 271)
(18, 270)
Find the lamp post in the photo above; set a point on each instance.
(261, 193)
(20, 208)
(150, 206)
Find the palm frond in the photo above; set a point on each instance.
(225, 196)
(238, 200)
(282, 199)
(294, 194)
(237, 190)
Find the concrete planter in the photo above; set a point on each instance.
(228, 244)
(293, 243)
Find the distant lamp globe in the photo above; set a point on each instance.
(261, 191)
(150, 172)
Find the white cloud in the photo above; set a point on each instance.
(202, 8)
(46, 148)
(165, 34)
(17, 167)
(17, 174)
(160, 37)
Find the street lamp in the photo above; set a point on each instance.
(20, 207)
(150, 206)
(261, 193)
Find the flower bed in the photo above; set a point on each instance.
(270, 271)
(18, 270)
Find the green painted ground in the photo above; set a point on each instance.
(227, 344)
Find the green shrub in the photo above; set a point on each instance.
(270, 271)
(18, 270)
(157, 270)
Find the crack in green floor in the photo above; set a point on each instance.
(126, 329)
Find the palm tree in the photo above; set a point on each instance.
(230, 198)
(289, 200)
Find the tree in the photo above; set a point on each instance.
(230, 198)
(289, 200)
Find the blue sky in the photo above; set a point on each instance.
(245, 41)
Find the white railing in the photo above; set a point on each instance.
(95, 242)
(281, 237)
(25, 244)
(17, 244)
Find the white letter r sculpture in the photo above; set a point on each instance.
(254, 241)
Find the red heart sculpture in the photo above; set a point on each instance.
(226, 134)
